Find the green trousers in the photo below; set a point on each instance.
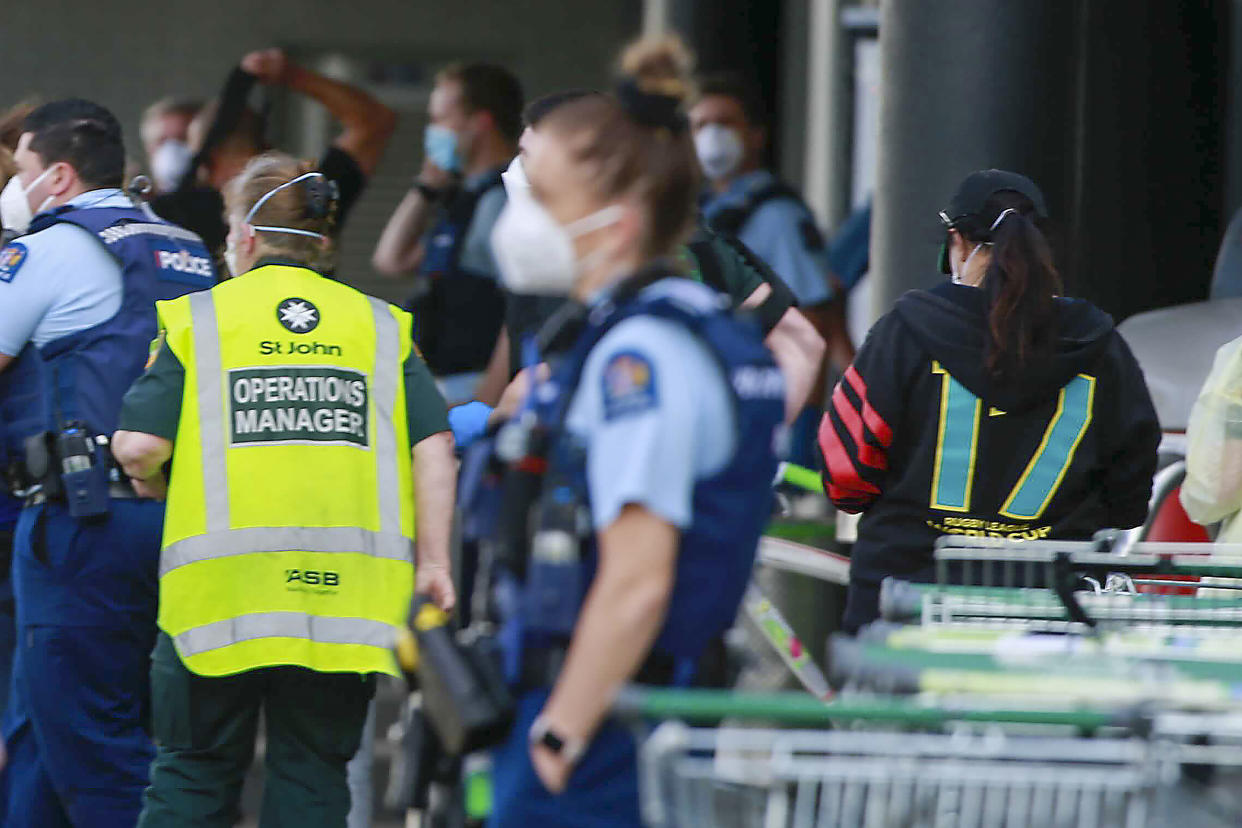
(205, 729)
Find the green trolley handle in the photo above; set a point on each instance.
(799, 476)
(801, 709)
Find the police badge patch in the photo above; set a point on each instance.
(629, 385)
(11, 259)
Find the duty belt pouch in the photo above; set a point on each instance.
(83, 473)
(552, 593)
(38, 465)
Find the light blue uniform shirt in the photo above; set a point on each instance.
(775, 233)
(654, 413)
(476, 249)
(58, 281)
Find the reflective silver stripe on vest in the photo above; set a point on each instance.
(210, 409)
(299, 625)
(384, 392)
(330, 539)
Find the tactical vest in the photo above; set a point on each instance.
(289, 532)
(730, 220)
(84, 376)
(458, 316)
(730, 509)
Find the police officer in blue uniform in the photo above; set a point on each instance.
(769, 217)
(654, 445)
(442, 226)
(77, 319)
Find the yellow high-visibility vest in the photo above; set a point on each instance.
(289, 532)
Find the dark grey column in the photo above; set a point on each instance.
(742, 36)
(1117, 108)
(968, 84)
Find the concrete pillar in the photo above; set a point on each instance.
(968, 84)
(829, 126)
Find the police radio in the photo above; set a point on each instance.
(83, 472)
(554, 578)
(521, 445)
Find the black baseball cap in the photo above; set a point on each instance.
(975, 190)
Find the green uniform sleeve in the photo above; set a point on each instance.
(426, 411)
(730, 267)
(153, 403)
(740, 275)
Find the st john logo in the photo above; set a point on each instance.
(297, 315)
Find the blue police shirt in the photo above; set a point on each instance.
(774, 232)
(476, 249)
(655, 416)
(849, 255)
(58, 281)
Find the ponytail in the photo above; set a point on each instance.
(1021, 286)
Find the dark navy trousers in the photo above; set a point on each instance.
(77, 729)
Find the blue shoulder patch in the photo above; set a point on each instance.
(629, 385)
(12, 256)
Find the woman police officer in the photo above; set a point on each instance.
(660, 426)
(987, 406)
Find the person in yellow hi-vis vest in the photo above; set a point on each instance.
(289, 405)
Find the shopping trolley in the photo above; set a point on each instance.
(963, 766)
(1067, 586)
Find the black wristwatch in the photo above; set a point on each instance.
(542, 734)
(428, 192)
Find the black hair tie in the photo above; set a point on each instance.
(651, 109)
(321, 194)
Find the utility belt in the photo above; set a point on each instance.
(541, 666)
(116, 489)
(72, 466)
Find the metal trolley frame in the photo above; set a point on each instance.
(979, 767)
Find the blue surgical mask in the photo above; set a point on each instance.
(440, 144)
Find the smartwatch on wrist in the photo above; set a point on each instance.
(569, 749)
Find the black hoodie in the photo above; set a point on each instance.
(924, 442)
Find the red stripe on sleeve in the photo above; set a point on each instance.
(844, 482)
(867, 454)
(882, 431)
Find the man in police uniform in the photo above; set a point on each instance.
(291, 406)
(442, 228)
(765, 214)
(77, 314)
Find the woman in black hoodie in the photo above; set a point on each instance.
(987, 406)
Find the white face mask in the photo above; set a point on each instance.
(720, 151)
(536, 254)
(15, 212)
(514, 178)
(230, 259)
(960, 273)
(169, 163)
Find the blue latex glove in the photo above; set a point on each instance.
(468, 422)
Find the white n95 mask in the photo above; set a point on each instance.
(169, 163)
(535, 253)
(15, 212)
(720, 151)
(515, 181)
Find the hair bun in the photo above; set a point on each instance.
(651, 109)
(660, 65)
